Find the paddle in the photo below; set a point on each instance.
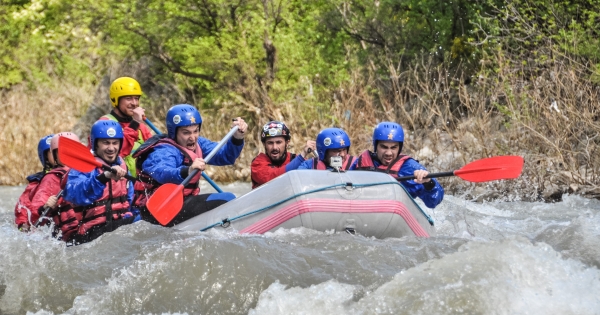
(46, 209)
(484, 170)
(77, 156)
(208, 179)
(167, 201)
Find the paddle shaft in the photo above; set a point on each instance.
(432, 175)
(208, 179)
(46, 209)
(151, 125)
(211, 154)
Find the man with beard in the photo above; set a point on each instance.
(101, 199)
(276, 160)
(388, 139)
(125, 93)
(172, 157)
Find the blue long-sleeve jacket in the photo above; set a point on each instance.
(165, 163)
(295, 163)
(431, 198)
(308, 165)
(83, 189)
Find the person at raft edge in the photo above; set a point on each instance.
(125, 95)
(46, 194)
(388, 139)
(172, 157)
(101, 199)
(330, 142)
(276, 160)
(24, 215)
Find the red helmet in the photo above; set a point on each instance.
(274, 129)
(54, 141)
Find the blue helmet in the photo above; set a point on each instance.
(43, 146)
(105, 129)
(331, 138)
(388, 131)
(181, 115)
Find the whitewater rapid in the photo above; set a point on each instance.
(487, 258)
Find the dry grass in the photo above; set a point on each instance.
(27, 116)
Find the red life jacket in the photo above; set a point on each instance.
(264, 170)
(365, 163)
(62, 205)
(146, 185)
(23, 212)
(112, 206)
(320, 165)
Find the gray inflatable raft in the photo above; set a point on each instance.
(365, 203)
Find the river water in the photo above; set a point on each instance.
(487, 258)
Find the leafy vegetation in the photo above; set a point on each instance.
(524, 71)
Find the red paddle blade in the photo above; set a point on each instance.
(76, 155)
(166, 202)
(494, 168)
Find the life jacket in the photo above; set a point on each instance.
(62, 205)
(111, 206)
(146, 185)
(288, 159)
(365, 163)
(23, 206)
(129, 159)
(320, 165)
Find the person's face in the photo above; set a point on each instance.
(50, 158)
(276, 147)
(108, 149)
(335, 152)
(387, 151)
(188, 136)
(128, 103)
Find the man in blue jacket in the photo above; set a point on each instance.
(388, 138)
(101, 200)
(172, 157)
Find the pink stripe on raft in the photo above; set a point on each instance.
(332, 205)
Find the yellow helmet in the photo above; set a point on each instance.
(124, 86)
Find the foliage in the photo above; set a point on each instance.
(527, 68)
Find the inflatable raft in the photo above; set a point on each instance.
(358, 202)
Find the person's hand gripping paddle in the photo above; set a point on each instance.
(77, 156)
(167, 200)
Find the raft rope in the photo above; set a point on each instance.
(348, 185)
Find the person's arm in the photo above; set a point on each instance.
(49, 186)
(84, 188)
(228, 153)
(22, 208)
(431, 192)
(306, 165)
(165, 165)
(295, 163)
